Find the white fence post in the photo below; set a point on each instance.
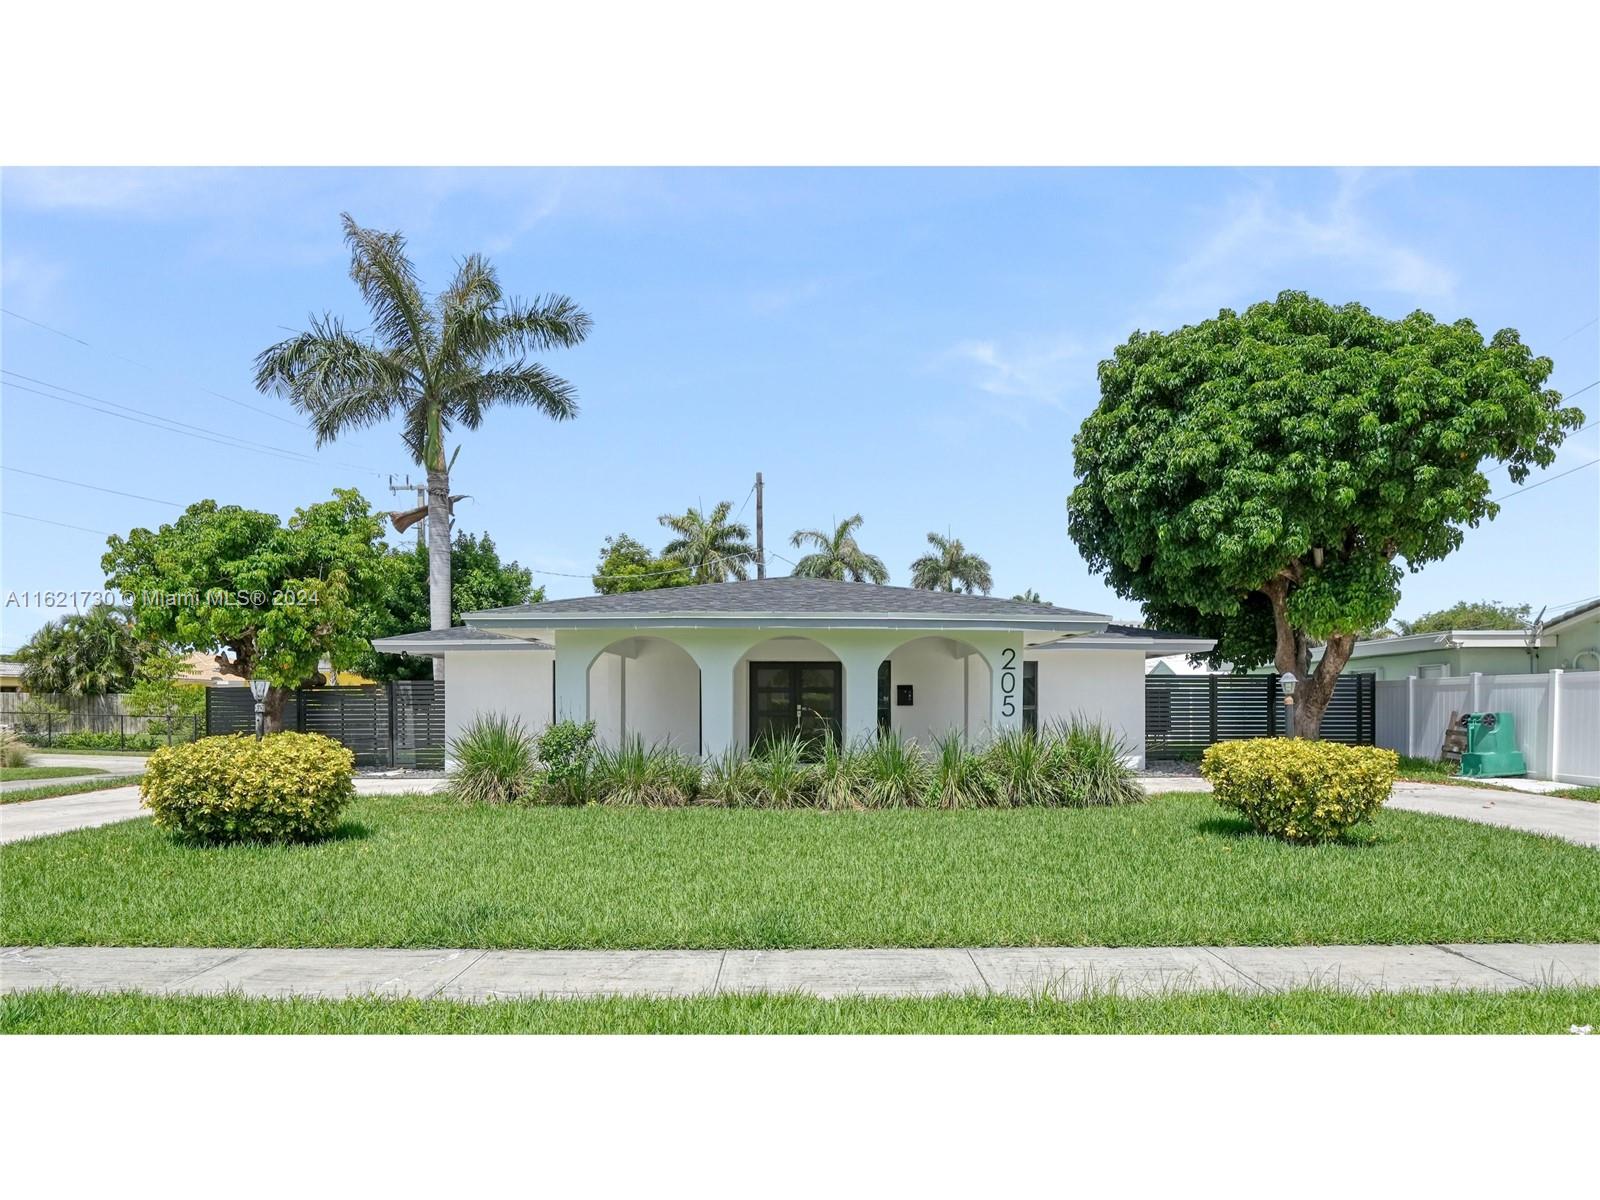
(1553, 758)
(1476, 705)
(1411, 716)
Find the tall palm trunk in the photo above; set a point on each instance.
(438, 553)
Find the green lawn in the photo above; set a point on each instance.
(1432, 770)
(1553, 1011)
(423, 871)
(47, 790)
(7, 773)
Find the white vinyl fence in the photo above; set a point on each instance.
(1557, 716)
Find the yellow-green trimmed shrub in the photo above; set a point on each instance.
(1300, 790)
(286, 787)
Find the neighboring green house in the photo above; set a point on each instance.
(1570, 641)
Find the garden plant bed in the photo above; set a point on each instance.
(425, 871)
(1310, 1011)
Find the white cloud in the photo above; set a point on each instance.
(1037, 370)
(1260, 241)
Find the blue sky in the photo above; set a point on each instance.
(915, 345)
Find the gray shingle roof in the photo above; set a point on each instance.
(790, 596)
(456, 636)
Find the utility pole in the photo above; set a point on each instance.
(761, 534)
(422, 502)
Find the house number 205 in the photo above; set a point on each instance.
(1008, 682)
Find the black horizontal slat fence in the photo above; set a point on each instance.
(395, 724)
(1186, 713)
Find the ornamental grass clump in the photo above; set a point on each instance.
(1093, 760)
(1300, 790)
(959, 777)
(13, 750)
(653, 776)
(285, 787)
(493, 762)
(897, 773)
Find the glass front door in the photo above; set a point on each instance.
(788, 699)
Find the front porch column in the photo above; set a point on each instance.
(1003, 653)
(861, 653)
(575, 652)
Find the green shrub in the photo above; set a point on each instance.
(1300, 790)
(654, 776)
(13, 750)
(286, 787)
(566, 752)
(493, 762)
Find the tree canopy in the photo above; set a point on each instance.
(478, 580)
(951, 567)
(1258, 477)
(626, 565)
(1470, 614)
(837, 554)
(276, 597)
(93, 653)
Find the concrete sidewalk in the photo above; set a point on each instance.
(62, 814)
(478, 975)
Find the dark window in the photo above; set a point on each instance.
(883, 696)
(1030, 696)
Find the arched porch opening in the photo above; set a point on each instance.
(930, 687)
(788, 685)
(648, 688)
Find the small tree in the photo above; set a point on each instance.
(271, 600)
(157, 692)
(627, 566)
(1255, 477)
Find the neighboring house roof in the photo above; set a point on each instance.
(460, 637)
(1156, 643)
(1573, 616)
(1449, 639)
(791, 601)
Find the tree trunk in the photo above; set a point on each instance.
(272, 709)
(1292, 654)
(438, 552)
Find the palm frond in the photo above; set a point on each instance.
(337, 380)
(388, 283)
(524, 384)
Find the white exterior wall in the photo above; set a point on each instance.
(1103, 685)
(941, 690)
(663, 696)
(514, 683)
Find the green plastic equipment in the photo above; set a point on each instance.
(1492, 746)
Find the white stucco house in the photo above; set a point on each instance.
(722, 665)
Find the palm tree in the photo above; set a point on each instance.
(951, 568)
(434, 363)
(838, 555)
(93, 653)
(711, 547)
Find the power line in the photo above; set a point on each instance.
(1576, 331)
(46, 521)
(146, 366)
(1542, 482)
(233, 441)
(92, 486)
(721, 558)
(1574, 433)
